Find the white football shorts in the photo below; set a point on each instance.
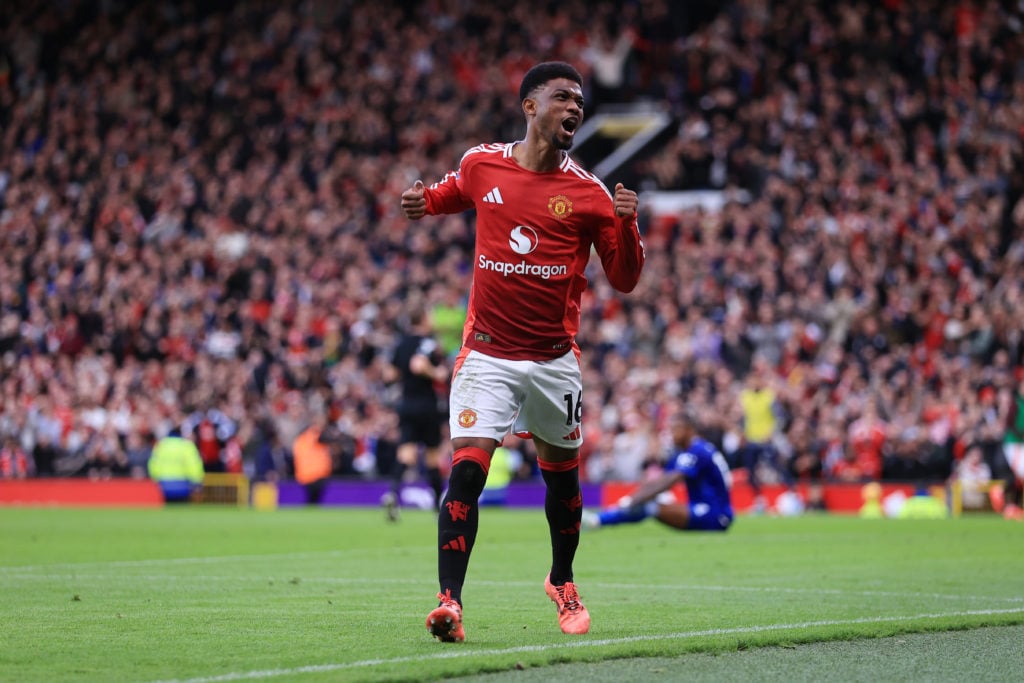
(492, 397)
(1014, 453)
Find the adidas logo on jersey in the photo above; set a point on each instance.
(493, 197)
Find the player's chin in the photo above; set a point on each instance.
(562, 141)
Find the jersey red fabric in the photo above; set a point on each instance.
(534, 233)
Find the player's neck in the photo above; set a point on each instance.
(537, 156)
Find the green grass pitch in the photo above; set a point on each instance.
(205, 594)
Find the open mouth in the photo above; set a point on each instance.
(570, 125)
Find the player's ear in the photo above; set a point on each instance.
(529, 106)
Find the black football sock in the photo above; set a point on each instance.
(457, 523)
(563, 506)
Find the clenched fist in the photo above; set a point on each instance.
(413, 202)
(625, 201)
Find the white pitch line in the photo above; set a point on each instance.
(284, 577)
(455, 654)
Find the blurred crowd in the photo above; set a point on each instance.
(200, 227)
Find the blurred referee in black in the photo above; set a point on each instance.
(419, 366)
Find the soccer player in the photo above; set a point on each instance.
(538, 216)
(418, 364)
(702, 469)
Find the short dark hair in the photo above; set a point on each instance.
(541, 73)
(418, 314)
(686, 417)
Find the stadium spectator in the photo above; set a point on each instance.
(177, 467)
(270, 457)
(867, 436)
(138, 449)
(519, 367)
(692, 461)
(45, 454)
(1013, 451)
(923, 505)
(145, 221)
(448, 313)
(759, 403)
(211, 429)
(804, 451)
(975, 478)
(15, 463)
(607, 56)
(312, 459)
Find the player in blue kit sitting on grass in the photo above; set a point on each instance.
(703, 470)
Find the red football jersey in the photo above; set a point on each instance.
(534, 233)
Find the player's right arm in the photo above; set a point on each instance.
(422, 363)
(651, 488)
(444, 196)
(618, 241)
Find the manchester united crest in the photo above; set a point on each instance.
(560, 206)
(467, 418)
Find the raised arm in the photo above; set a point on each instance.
(619, 244)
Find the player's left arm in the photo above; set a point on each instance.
(618, 241)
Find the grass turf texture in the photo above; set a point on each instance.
(208, 593)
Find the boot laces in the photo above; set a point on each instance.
(446, 600)
(570, 598)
